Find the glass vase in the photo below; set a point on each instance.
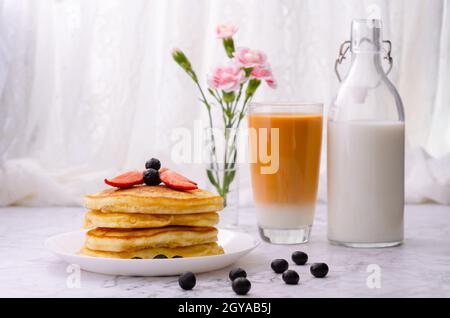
(222, 172)
(229, 216)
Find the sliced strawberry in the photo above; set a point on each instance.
(177, 181)
(189, 180)
(127, 179)
(162, 169)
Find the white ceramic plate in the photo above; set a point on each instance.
(235, 244)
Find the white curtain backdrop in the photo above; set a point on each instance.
(88, 87)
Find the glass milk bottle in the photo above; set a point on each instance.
(365, 163)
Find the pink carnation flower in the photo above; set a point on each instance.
(224, 31)
(264, 72)
(247, 58)
(227, 78)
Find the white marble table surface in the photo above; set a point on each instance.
(419, 268)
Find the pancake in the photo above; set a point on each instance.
(154, 200)
(138, 220)
(187, 251)
(125, 240)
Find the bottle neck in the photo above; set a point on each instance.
(366, 67)
(366, 47)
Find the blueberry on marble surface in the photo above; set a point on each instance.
(291, 277)
(279, 265)
(299, 257)
(319, 270)
(241, 285)
(187, 280)
(237, 272)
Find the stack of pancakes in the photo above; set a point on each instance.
(149, 221)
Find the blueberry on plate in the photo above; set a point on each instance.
(177, 256)
(319, 270)
(237, 272)
(153, 164)
(291, 277)
(279, 265)
(160, 256)
(151, 177)
(187, 280)
(136, 257)
(241, 285)
(299, 258)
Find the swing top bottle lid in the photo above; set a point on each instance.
(366, 36)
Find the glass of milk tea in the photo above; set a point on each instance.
(285, 145)
(365, 146)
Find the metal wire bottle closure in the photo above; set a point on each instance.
(345, 46)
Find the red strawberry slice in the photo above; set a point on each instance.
(180, 177)
(126, 180)
(162, 169)
(176, 181)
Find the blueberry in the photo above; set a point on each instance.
(241, 285)
(237, 272)
(153, 164)
(279, 265)
(291, 277)
(319, 270)
(160, 256)
(151, 177)
(187, 280)
(177, 256)
(299, 258)
(136, 257)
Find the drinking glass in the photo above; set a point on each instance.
(285, 146)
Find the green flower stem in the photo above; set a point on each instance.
(230, 149)
(216, 96)
(208, 107)
(231, 115)
(241, 116)
(237, 99)
(234, 120)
